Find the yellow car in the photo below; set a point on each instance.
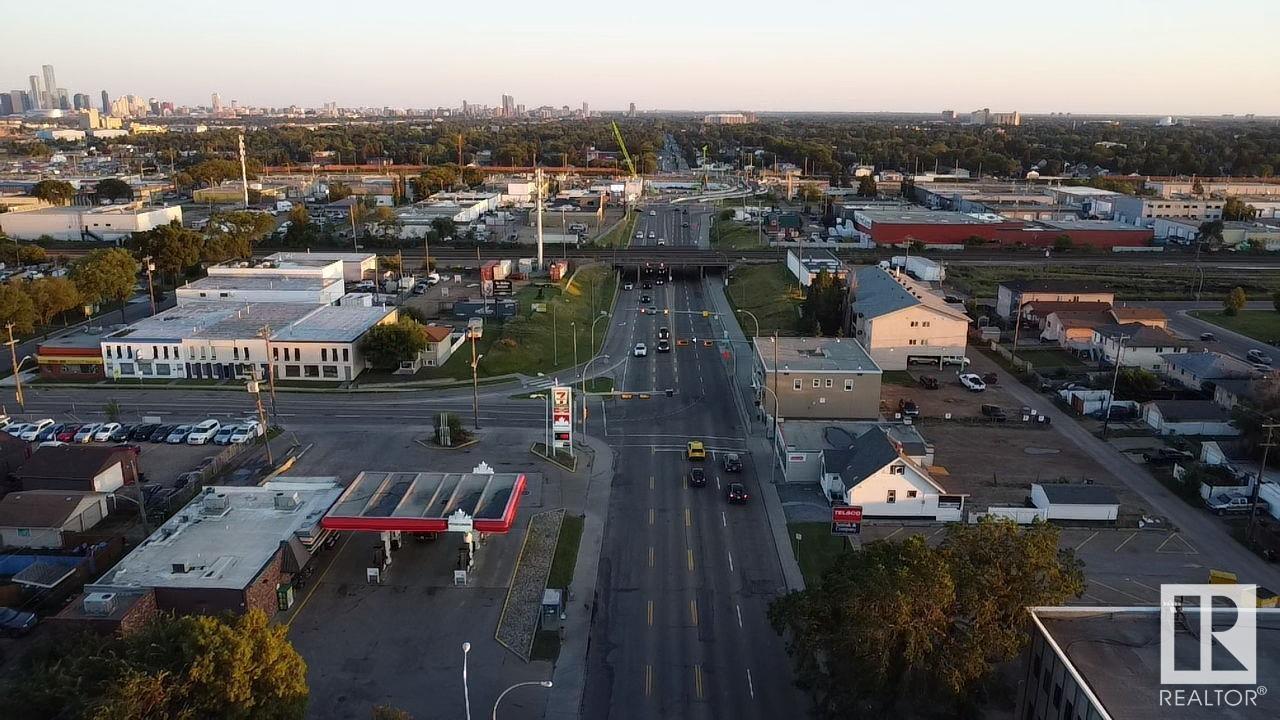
(696, 451)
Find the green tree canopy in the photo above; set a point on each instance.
(1062, 243)
(183, 668)
(16, 307)
(22, 253)
(171, 247)
(902, 626)
(389, 344)
(338, 191)
(233, 234)
(55, 192)
(50, 296)
(113, 189)
(824, 304)
(1236, 209)
(867, 187)
(104, 275)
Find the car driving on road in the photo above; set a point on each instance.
(640, 350)
(736, 493)
(732, 462)
(697, 477)
(1258, 356)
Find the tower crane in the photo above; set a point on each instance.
(625, 155)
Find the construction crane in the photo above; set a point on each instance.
(625, 155)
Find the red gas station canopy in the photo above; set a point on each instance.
(425, 502)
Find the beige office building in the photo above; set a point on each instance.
(816, 378)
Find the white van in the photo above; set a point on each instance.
(204, 432)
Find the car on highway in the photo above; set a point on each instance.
(653, 213)
(640, 235)
(627, 286)
(732, 462)
(1207, 337)
(1234, 503)
(972, 382)
(647, 285)
(86, 432)
(684, 224)
(224, 434)
(697, 478)
(646, 299)
(67, 433)
(105, 431)
(142, 432)
(178, 435)
(661, 242)
(736, 493)
(696, 450)
(1258, 356)
(652, 234)
(660, 281)
(664, 333)
(640, 350)
(35, 428)
(664, 346)
(203, 432)
(15, 623)
(161, 433)
(908, 407)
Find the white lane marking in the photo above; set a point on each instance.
(724, 521)
(750, 687)
(739, 609)
(730, 561)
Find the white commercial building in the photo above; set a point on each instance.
(223, 340)
(462, 208)
(110, 222)
(262, 288)
(356, 266)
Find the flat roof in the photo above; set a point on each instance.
(236, 321)
(82, 339)
(1109, 225)
(809, 435)
(263, 281)
(806, 354)
(1082, 190)
(424, 501)
(924, 217)
(1116, 652)
(224, 536)
(320, 258)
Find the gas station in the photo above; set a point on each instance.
(425, 504)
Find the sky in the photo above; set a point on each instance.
(1159, 57)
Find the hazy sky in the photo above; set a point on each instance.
(1117, 56)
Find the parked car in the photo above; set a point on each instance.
(224, 434)
(908, 407)
(736, 492)
(994, 412)
(122, 434)
(143, 431)
(178, 435)
(104, 431)
(697, 477)
(16, 429)
(5, 421)
(161, 433)
(50, 433)
(15, 623)
(732, 462)
(1167, 456)
(49, 443)
(245, 433)
(1232, 503)
(1208, 337)
(972, 382)
(203, 432)
(86, 433)
(67, 433)
(1259, 357)
(928, 382)
(35, 428)
(640, 350)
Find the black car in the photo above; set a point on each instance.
(908, 407)
(646, 299)
(732, 462)
(664, 334)
(1167, 456)
(143, 431)
(697, 478)
(647, 285)
(50, 433)
(15, 623)
(736, 492)
(664, 346)
(928, 382)
(161, 433)
(121, 434)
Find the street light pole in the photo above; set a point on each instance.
(1115, 379)
(1257, 483)
(753, 319)
(475, 384)
(466, 691)
(17, 374)
(541, 683)
(151, 292)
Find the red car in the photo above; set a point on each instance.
(68, 433)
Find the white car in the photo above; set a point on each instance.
(49, 443)
(641, 350)
(661, 241)
(203, 432)
(627, 286)
(639, 234)
(972, 383)
(85, 434)
(35, 428)
(5, 421)
(245, 433)
(16, 429)
(224, 435)
(104, 431)
(652, 234)
(653, 213)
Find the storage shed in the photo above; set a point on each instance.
(1076, 502)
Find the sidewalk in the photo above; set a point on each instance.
(565, 697)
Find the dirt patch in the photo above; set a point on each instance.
(950, 397)
(996, 464)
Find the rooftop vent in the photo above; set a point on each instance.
(287, 501)
(180, 568)
(216, 504)
(99, 604)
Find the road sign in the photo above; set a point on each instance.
(846, 520)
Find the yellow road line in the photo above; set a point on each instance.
(650, 613)
(697, 679)
(688, 518)
(690, 551)
(693, 611)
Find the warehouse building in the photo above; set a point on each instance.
(104, 223)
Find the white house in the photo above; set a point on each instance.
(1136, 345)
(1075, 502)
(900, 321)
(885, 482)
(44, 518)
(1188, 417)
(1195, 370)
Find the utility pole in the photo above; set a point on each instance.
(256, 389)
(537, 183)
(1257, 483)
(1115, 379)
(17, 375)
(151, 292)
(265, 334)
(473, 333)
(244, 174)
(776, 370)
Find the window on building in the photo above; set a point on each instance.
(311, 371)
(128, 351)
(829, 383)
(275, 353)
(331, 371)
(346, 355)
(155, 353)
(897, 470)
(912, 493)
(914, 323)
(912, 341)
(166, 352)
(891, 496)
(795, 385)
(817, 383)
(235, 353)
(292, 371)
(848, 386)
(925, 323)
(163, 369)
(324, 354)
(24, 532)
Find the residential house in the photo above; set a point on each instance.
(900, 321)
(13, 454)
(1036, 312)
(92, 468)
(1149, 316)
(885, 482)
(816, 378)
(1228, 392)
(1203, 370)
(1073, 330)
(441, 342)
(810, 449)
(49, 519)
(1188, 417)
(1013, 294)
(1136, 345)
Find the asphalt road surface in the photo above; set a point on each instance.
(685, 578)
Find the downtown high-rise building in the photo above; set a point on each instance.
(586, 110)
(50, 87)
(216, 102)
(508, 106)
(106, 103)
(37, 94)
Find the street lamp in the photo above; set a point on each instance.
(541, 683)
(466, 691)
(583, 387)
(754, 319)
(151, 292)
(603, 314)
(474, 332)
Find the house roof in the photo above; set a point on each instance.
(1190, 410)
(1064, 494)
(436, 333)
(877, 293)
(1209, 365)
(1138, 335)
(1126, 314)
(71, 462)
(43, 508)
(1044, 308)
(870, 452)
(1054, 285)
(1072, 319)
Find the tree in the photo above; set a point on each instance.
(1062, 243)
(1236, 209)
(233, 234)
(1235, 302)
(809, 192)
(23, 254)
(1197, 188)
(1210, 233)
(171, 247)
(902, 625)
(338, 191)
(867, 187)
(51, 296)
(174, 667)
(444, 227)
(113, 189)
(105, 275)
(472, 176)
(54, 192)
(824, 304)
(389, 344)
(16, 307)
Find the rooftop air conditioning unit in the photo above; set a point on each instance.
(216, 504)
(287, 501)
(99, 604)
(180, 568)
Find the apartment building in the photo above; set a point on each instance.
(816, 378)
(900, 321)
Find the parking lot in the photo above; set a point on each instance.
(950, 397)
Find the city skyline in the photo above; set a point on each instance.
(1006, 58)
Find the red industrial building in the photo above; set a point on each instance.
(895, 227)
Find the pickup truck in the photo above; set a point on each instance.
(1233, 503)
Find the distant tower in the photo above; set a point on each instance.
(49, 82)
(586, 110)
(632, 110)
(217, 102)
(106, 103)
(37, 96)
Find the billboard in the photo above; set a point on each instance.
(562, 416)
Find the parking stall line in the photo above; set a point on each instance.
(1086, 540)
(1125, 541)
(751, 688)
